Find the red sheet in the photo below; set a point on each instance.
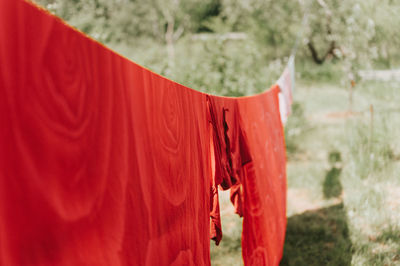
(264, 180)
(103, 162)
(252, 163)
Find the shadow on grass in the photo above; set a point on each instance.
(332, 186)
(319, 237)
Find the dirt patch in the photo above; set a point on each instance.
(393, 202)
(333, 117)
(342, 115)
(299, 200)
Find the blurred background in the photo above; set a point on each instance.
(342, 139)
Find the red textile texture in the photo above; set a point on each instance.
(103, 162)
(264, 180)
(252, 163)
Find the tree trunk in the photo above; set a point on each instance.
(314, 52)
(169, 38)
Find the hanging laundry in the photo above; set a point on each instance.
(172, 137)
(226, 139)
(264, 180)
(249, 134)
(286, 85)
(284, 108)
(102, 162)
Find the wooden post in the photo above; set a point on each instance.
(352, 85)
(371, 122)
(371, 135)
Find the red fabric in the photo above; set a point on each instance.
(254, 163)
(103, 162)
(223, 119)
(264, 180)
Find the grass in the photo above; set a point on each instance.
(229, 250)
(360, 196)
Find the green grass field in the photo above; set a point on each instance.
(343, 179)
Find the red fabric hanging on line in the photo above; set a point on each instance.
(264, 180)
(103, 162)
(252, 163)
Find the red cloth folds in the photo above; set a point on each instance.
(264, 180)
(225, 124)
(252, 157)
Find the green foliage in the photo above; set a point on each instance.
(356, 33)
(329, 72)
(223, 67)
(126, 20)
(228, 68)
